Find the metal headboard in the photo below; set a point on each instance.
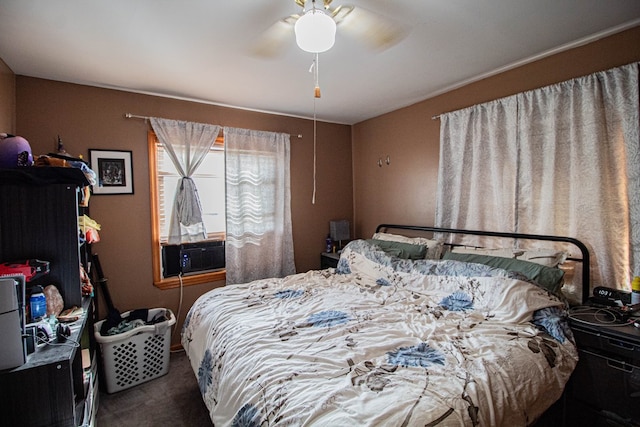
(583, 249)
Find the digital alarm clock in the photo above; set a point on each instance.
(609, 296)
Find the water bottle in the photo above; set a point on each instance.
(635, 290)
(38, 304)
(329, 244)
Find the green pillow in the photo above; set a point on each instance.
(547, 277)
(400, 249)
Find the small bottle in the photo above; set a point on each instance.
(635, 290)
(329, 244)
(38, 303)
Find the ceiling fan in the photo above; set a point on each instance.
(375, 31)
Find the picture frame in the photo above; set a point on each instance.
(114, 173)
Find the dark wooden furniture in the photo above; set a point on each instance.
(52, 388)
(39, 220)
(605, 387)
(328, 260)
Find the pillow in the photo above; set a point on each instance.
(548, 257)
(434, 247)
(504, 253)
(400, 249)
(547, 277)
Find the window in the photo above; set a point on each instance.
(210, 180)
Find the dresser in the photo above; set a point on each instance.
(329, 260)
(605, 387)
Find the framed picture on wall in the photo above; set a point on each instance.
(113, 170)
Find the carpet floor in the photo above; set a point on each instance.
(174, 400)
(171, 400)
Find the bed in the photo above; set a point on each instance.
(387, 338)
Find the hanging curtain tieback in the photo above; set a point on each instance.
(188, 202)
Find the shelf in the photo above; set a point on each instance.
(40, 176)
(39, 220)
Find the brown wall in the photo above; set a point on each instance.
(88, 117)
(405, 191)
(7, 99)
(401, 192)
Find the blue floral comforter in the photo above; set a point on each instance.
(380, 341)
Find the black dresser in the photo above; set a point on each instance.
(605, 387)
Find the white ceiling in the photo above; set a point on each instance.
(201, 49)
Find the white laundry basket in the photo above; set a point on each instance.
(138, 355)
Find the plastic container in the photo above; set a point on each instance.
(635, 290)
(138, 355)
(37, 304)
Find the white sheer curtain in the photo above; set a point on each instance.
(574, 160)
(187, 144)
(259, 237)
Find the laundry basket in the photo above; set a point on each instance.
(136, 356)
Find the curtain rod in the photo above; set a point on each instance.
(146, 118)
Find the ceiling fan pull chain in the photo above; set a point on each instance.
(317, 95)
(314, 68)
(316, 91)
(313, 197)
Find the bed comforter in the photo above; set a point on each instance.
(380, 341)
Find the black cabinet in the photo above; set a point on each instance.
(328, 260)
(605, 386)
(58, 384)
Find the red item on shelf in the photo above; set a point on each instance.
(31, 268)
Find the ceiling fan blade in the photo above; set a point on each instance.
(374, 30)
(271, 42)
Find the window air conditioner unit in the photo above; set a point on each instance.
(190, 258)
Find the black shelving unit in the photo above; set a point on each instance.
(57, 386)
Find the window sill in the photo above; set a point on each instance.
(196, 279)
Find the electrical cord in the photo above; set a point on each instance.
(601, 316)
(179, 305)
(178, 314)
(39, 340)
(68, 342)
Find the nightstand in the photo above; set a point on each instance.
(328, 260)
(605, 386)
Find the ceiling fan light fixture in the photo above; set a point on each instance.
(315, 31)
